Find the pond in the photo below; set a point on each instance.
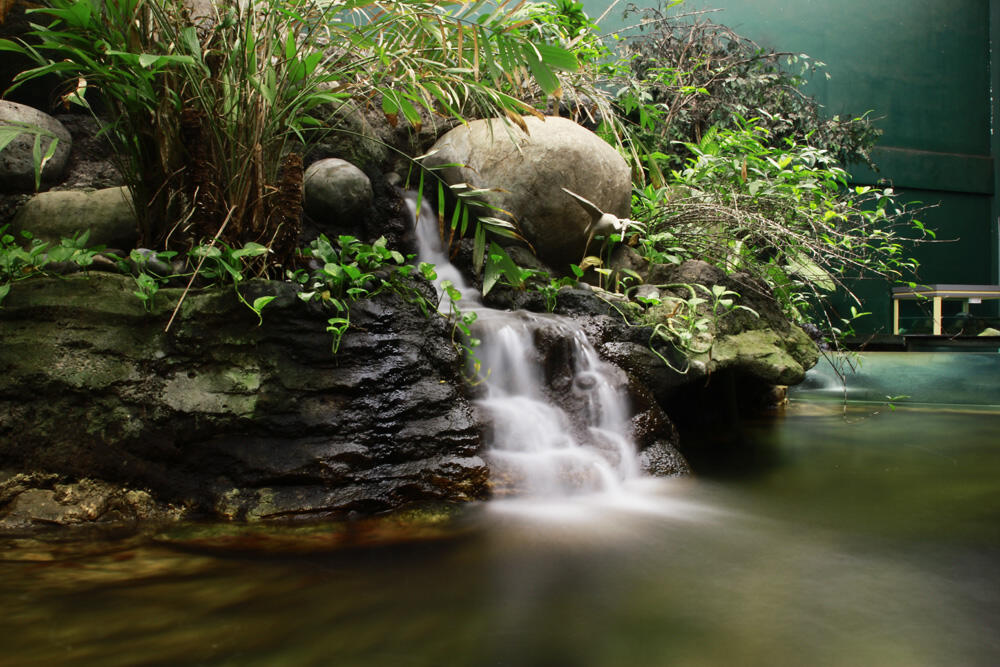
(858, 535)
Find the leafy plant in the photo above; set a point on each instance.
(550, 290)
(691, 320)
(11, 130)
(205, 107)
(681, 76)
(344, 273)
(501, 268)
(39, 257)
(784, 214)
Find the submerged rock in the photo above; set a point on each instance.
(30, 500)
(228, 418)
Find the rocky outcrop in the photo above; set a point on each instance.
(17, 159)
(28, 500)
(526, 173)
(230, 419)
(756, 343)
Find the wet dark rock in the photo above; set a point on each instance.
(662, 460)
(230, 419)
(29, 500)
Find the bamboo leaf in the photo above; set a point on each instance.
(557, 57)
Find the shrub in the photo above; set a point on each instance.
(783, 214)
(679, 78)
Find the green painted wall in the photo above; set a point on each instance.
(923, 69)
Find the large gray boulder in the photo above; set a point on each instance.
(527, 171)
(107, 214)
(17, 162)
(230, 419)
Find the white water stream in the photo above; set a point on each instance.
(545, 441)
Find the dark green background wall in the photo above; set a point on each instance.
(923, 69)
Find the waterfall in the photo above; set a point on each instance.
(559, 417)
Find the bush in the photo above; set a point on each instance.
(680, 78)
(783, 214)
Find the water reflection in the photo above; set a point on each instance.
(871, 540)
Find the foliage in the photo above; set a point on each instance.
(39, 258)
(11, 130)
(784, 214)
(501, 268)
(205, 107)
(681, 77)
(461, 321)
(690, 324)
(342, 274)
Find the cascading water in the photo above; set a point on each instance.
(555, 432)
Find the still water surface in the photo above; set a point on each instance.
(870, 540)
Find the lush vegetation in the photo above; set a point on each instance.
(740, 168)
(210, 114)
(679, 78)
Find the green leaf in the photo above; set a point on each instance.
(558, 57)
(9, 133)
(250, 250)
(544, 76)
(261, 301)
(410, 112)
(490, 276)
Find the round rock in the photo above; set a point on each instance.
(336, 191)
(107, 214)
(17, 164)
(526, 171)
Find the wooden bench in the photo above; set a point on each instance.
(966, 293)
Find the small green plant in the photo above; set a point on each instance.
(221, 264)
(346, 272)
(690, 323)
(39, 257)
(550, 290)
(501, 268)
(11, 130)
